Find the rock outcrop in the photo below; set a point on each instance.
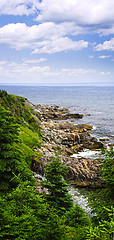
(66, 138)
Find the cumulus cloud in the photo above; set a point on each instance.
(106, 30)
(18, 7)
(95, 15)
(61, 44)
(80, 11)
(107, 45)
(44, 38)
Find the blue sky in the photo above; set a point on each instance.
(57, 42)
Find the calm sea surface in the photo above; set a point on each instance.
(96, 101)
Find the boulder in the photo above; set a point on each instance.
(84, 173)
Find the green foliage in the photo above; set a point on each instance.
(102, 203)
(24, 215)
(72, 233)
(28, 137)
(26, 127)
(11, 158)
(105, 196)
(28, 144)
(108, 173)
(58, 196)
(76, 223)
(19, 110)
(3, 93)
(104, 229)
(76, 217)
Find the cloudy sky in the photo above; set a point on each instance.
(57, 42)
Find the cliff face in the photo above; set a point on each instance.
(59, 134)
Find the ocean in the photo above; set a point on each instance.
(95, 103)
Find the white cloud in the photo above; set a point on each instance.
(34, 61)
(61, 44)
(104, 56)
(89, 15)
(22, 72)
(11, 69)
(90, 56)
(106, 30)
(107, 45)
(80, 11)
(3, 62)
(76, 71)
(44, 38)
(18, 7)
(105, 73)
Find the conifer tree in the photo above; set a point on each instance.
(11, 158)
(58, 195)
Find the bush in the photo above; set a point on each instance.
(76, 217)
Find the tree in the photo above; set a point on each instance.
(12, 165)
(108, 173)
(24, 215)
(23, 212)
(102, 202)
(58, 196)
(76, 217)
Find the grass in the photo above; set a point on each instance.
(29, 129)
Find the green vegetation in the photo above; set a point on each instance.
(24, 212)
(58, 196)
(23, 215)
(12, 162)
(19, 110)
(102, 203)
(28, 128)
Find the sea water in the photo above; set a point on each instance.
(95, 103)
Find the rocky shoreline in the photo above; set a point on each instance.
(60, 135)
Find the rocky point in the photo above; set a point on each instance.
(61, 136)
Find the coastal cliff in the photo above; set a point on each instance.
(47, 131)
(60, 136)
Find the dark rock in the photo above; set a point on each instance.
(67, 116)
(104, 139)
(37, 167)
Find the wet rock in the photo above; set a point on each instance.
(110, 144)
(67, 116)
(104, 139)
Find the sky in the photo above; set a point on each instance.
(57, 42)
